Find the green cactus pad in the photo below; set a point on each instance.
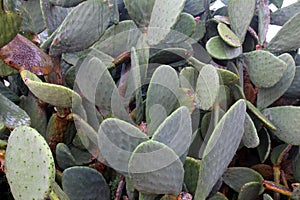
(11, 114)
(278, 153)
(287, 38)
(56, 95)
(264, 69)
(282, 15)
(154, 168)
(169, 55)
(97, 85)
(236, 177)
(27, 74)
(85, 183)
(250, 138)
(88, 136)
(29, 164)
(140, 11)
(264, 147)
(143, 52)
(117, 140)
(34, 10)
(188, 78)
(267, 197)
(227, 77)
(9, 93)
(131, 85)
(58, 192)
(118, 38)
(182, 30)
(194, 7)
(160, 25)
(82, 27)
(161, 96)
(53, 16)
(218, 49)
(64, 156)
(145, 196)
(66, 3)
(191, 170)
(176, 131)
(263, 21)
(200, 31)
(218, 196)
(249, 191)
(136, 73)
(285, 120)
(240, 15)
(294, 89)
(37, 114)
(260, 116)
(221, 148)
(207, 88)
(228, 36)
(5, 70)
(10, 24)
(266, 96)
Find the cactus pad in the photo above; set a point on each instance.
(176, 131)
(240, 15)
(264, 69)
(10, 24)
(11, 114)
(157, 31)
(207, 87)
(236, 177)
(29, 164)
(56, 95)
(218, 49)
(140, 11)
(117, 140)
(221, 148)
(161, 96)
(228, 36)
(118, 38)
(285, 120)
(191, 170)
(249, 191)
(287, 38)
(154, 168)
(84, 183)
(266, 96)
(82, 27)
(250, 138)
(66, 3)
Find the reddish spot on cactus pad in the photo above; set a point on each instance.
(21, 53)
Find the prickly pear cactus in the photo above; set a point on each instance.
(151, 173)
(29, 164)
(85, 183)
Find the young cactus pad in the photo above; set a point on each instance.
(29, 164)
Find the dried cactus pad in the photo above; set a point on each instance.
(29, 164)
(21, 53)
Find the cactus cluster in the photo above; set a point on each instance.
(158, 99)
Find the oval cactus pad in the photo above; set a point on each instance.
(29, 164)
